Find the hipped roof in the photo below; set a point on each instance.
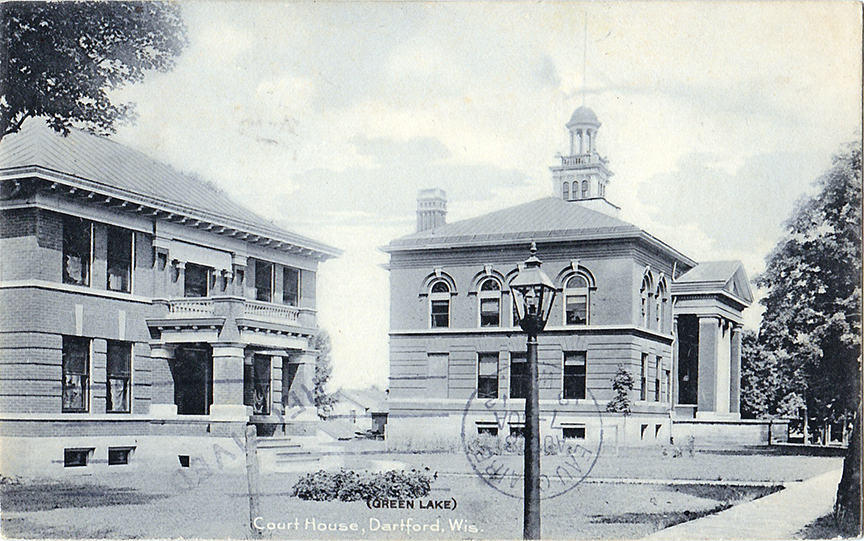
(543, 220)
(89, 162)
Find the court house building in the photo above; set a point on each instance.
(626, 302)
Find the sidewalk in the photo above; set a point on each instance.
(777, 516)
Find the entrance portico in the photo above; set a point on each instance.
(709, 301)
(233, 367)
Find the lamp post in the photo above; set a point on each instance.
(533, 294)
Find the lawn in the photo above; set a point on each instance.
(606, 505)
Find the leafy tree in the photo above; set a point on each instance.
(812, 319)
(59, 60)
(622, 384)
(323, 368)
(760, 378)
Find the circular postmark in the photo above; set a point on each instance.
(571, 436)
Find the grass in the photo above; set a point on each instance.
(147, 504)
(727, 495)
(42, 496)
(821, 528)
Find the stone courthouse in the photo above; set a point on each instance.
(144, 315)
(625, 300)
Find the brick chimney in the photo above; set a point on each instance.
(431, 208)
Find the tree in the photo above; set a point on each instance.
(760, 378)
(812, 319)
(622, 384)
(323, 369)
(59, 60)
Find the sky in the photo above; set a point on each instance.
(328, 117)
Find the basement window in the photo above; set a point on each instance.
(575, 432)
(488, 428)
(118, 456)
(77, 458)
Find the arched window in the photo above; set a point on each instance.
(490, 303)
(661, 299)
(439, 305)
(576, 300)
(645, 296)
(584, 189)
(565, 191)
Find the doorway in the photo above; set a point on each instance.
(192, 370)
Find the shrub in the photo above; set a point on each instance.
(350, 486)
(622, 384)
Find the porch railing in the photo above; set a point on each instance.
(271, 312)
(190, 308)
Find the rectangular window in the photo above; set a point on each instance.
(490, 429)
(487, 375)
(574, 374)
(518, 376)
(577, 309)
(119, 377)
(76, 372)
(263, 281)
(290, 286)
(575, 432)
(657, 371)
(119, 456)
(643, 380)
(119, 259)
(490, 312)
(76, 458)
(440, 314)
(667, 375)
(77, 245)
(195, 280)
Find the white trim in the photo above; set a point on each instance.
(82, 211)
(493, 294)
(548, 330)
(39, 172)
(69, 288)
(440, 297)
(586, 291)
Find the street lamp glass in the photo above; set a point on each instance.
(533, 294)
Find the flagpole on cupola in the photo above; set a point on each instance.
(584, 57)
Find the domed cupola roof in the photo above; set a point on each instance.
(583, 116)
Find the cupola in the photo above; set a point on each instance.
(583, 176)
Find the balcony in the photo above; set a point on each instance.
(239, 309)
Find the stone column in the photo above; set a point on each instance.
(581, 141)
(572, 143)
(735, 380)
(299, 399)
(673, 383)
(228, 383)
(180, 281)
(162, 404)
(724, 369)
(709, 328)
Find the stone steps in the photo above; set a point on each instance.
(295, 453)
